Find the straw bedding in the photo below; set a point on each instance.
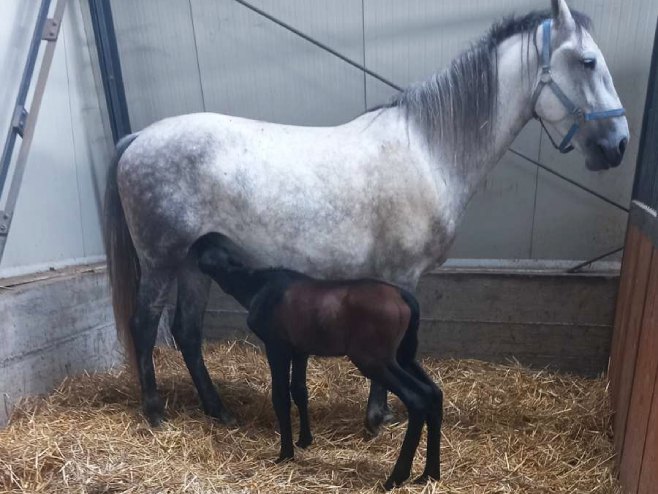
(506, 430)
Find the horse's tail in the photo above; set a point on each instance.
(122, 262)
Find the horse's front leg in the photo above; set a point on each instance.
(299, 393)
(378, 411)
(279, 359)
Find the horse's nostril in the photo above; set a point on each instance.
(622, 145)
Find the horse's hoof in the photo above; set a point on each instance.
(374, 425)
(155, 419)
(375, 420)
(304, 442)
(154, 412)
(388, 417)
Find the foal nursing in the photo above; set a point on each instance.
(373, 323)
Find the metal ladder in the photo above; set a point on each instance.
(23, 122)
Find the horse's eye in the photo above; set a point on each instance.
(589, 63)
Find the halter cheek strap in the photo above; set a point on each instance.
(577, 113)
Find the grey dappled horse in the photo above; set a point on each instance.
(377, 197)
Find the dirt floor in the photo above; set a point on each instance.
(506, 430)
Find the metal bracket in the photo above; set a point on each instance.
(4, 223)
(18, 121)
(50, 30)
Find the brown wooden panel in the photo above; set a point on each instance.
(646, 366)
(624, 382)
(649, 473)
(628, 266)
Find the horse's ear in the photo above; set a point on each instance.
(562, 15)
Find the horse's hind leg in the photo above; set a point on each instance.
(299, 393)
(193, 288)
(377, 410)
(154, 285)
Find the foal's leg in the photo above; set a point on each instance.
(389, 377)
(193, 287)
(434, 420)
(279, 359)
(406, 356)
(299, 393)
(153, 288)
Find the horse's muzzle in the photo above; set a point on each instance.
(607, 152)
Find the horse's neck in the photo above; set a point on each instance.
(513, 111)
(515, 84)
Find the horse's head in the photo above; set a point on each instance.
(575, 96)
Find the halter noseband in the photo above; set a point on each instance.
(546, 79)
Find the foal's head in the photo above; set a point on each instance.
(229, 273)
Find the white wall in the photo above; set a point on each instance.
(181, 56)
(57, 215)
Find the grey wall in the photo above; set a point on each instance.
(57, 215)
(182, 56)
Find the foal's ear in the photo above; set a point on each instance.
(562, 17)
(233, 265)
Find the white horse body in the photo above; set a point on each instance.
(355, 200)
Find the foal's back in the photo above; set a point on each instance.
(353, 318)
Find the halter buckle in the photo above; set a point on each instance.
(546, 75)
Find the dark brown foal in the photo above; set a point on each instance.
(374, 323)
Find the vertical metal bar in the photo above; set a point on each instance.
(645, 187)
(23, 89)
(30, 125)
(110, 67)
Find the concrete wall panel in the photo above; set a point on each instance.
(52, 329)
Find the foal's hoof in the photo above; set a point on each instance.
(392, 483)
(224, 416)
(375, 420)
(284, 458)
(426, 477)
(304, 442)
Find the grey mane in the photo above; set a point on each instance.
(457, 106)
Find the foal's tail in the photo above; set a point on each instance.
(122, 262)
(409, 344)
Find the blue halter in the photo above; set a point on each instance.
(546, 79)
